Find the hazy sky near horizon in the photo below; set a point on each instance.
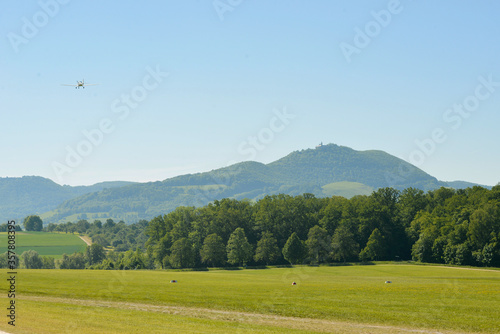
(194, 85)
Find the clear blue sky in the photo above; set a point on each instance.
(254, 80)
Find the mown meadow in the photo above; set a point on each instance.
(340, 299)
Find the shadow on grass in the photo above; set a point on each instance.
(200, 269)
(257, 267)
(339, 264)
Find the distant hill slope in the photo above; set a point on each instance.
(327, 170)
(346, 189)
(324, 171)
(464, 184)
(22, 196)
(332, 163)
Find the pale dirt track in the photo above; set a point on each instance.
(476, 269)
(86, 240)
(307, 324)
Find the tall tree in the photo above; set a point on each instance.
(33, 223)
(31, 260)
(344, 246)
(481, 226)
(82, 226)
(94, 254)
(410, 202)
(161, 250)
(267, 249)
(422, 249)
(331, 214)
(213, 251)
(318, 244)
(239, 250)
(109, 224)
(294, 250)
(375, 248)
(196, 240)
(181, 255)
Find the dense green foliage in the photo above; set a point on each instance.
(449, 226)
(294, 249)
(4, 227)
(442, 226)
(329, 170)
(120, 236)
(33, 223)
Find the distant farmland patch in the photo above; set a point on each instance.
(346, 189)
(44, 243)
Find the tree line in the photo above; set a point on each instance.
(94, 257)
(442, 226)
(120, 236)
(445, 225)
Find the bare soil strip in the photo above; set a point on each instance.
(308, 324)
(87, 241)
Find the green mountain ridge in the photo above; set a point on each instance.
(22, 196)
(324, 171)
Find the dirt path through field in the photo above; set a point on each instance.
(448, 267)
(308, 324)
(476, 269)
(86, 239)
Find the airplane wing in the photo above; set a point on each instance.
(69, 85)
(90, 84)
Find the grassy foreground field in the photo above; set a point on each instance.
(349, 299)
(45, 243)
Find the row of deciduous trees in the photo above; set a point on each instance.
(30, 259)
(443, 226)
(94, 256)
(120, 236)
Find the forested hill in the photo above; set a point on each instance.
(332, 163)
(319, 167)
(325, 171)
(22, 196)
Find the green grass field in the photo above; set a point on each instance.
(344, 299)
(47, 244)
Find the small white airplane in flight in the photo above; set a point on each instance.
(80, 84)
